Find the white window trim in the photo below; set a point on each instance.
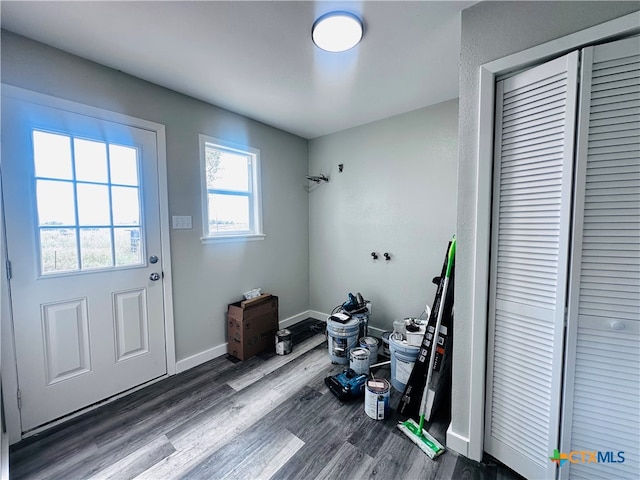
(256, 208)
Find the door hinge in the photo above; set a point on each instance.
(19, 400)
(8, 267)
(566, 316)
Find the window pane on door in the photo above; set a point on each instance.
(89, 205)
(124, 165)
(59, 252)
(56, 205)
(52, 155)
(228, 213)
(127, 246)
(93, 205)
(125, 205)
(95, 248)
(91, 160)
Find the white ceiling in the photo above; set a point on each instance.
(257, 59)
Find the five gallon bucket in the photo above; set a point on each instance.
(403, 357)
(376, 398)
(341, 338)
(363, 323)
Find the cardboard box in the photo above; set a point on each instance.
(252, 326)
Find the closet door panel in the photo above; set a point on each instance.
(533, 168)
(602, 392)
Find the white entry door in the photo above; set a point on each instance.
(83, 240)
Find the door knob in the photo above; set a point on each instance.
(154, 276)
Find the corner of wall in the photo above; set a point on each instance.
(219, 350)
(457, 443)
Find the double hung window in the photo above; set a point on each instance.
(231, 191)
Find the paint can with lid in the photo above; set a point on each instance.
(284, 342)
(359, 360)
(371, 344)
(376, 398)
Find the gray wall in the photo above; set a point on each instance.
(205, 277)
(492, 30)
(397, 195)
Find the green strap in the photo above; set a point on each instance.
(452, 254)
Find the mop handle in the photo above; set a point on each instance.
(436, 333)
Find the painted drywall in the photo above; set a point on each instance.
(205, 277)
(492, 30)
(396, 194)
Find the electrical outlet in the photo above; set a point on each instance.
(181, 222)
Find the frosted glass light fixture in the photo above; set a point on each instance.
(337, 31)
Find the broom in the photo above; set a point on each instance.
(416, 433)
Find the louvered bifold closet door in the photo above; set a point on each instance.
(602, 405)
(535, 119)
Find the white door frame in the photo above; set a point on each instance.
(9, 369)
(473, 445)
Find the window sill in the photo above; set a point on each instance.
(250, 237)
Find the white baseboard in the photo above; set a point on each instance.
(318, 315)
(373, 331)
(376, 332)
(199, 358)
(457, 442)
(287, 322)
(215, 352)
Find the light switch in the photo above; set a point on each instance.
(181, 222)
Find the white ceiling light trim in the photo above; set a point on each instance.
(337, 31)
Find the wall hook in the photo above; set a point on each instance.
(374, 255)
(317, 178)
(387, 256)
(340, 167)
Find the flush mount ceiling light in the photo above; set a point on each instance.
(337, 31)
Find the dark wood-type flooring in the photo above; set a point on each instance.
(268, 417)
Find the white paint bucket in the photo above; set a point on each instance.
(403, 357)
(363, 323)
(359, 360)
(376, 398)
(284, 342)
(341, 338)
(370, 344)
